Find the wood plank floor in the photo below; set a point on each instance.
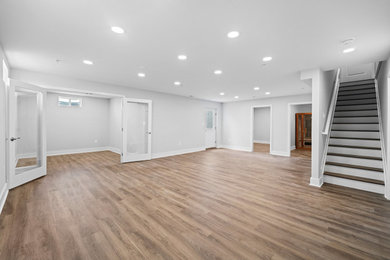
(217, 204)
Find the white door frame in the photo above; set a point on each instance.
(142, 157)
(215, 125)
(252, 125)
(30, 173)
(289, 105)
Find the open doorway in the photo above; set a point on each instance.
(210, 128)
(262, 129)
(300, 116)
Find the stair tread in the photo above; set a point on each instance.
(343, 130)
(355, 116)
(356, 156)
(355, 94)
(343, 84)
(356, 98)
(347, 110)
(355, 178)
(355, 138)
(342, 91)
(355, 123)
(357, 104)
(355, 166)
(355, 146)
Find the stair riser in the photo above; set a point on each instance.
(355, 134)
(356, 102)
(357, 91)
(366, 143)
(355, 172)
(355, 127)
(355, 151)
(356, 120)
(356, 87)
(350, 96)
(377, 188)
(357, 113)
(353, 107)
(355, 161)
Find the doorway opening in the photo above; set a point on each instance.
(211, 128)
(262, 129)
(300, 129)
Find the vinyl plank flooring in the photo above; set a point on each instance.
(216, 204)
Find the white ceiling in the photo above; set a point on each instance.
(298, 34)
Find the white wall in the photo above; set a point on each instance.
(3, 158)
(384, 96)
(178, 122)
(306, 108)
(322, 85)
(115, 125)
(77, 128)
(261, 125)
(237, 123)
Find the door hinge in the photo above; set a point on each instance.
(122, 129)
(122, 154)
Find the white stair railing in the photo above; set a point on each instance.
(332, 105)
(328, 123)
(383, 146)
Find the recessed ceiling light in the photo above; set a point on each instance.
(88, 62)
(141, 75)
(348, 50)
(217, 72)
(222, 94)
(256, 88)
(267, 93)
(267, 59)
(117, 29)
(182, 57)
(233, 34)
(177, 83)
(236, 96)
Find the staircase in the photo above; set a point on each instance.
(354, 155)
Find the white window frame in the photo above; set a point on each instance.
(70, 99)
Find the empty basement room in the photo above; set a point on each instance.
(194, 129)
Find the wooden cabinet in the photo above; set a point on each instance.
(303, 131)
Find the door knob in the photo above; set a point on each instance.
(14, 138)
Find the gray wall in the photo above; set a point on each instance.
(296, 109)
(261, 125)
(178, 122)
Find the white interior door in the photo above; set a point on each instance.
(27, 135)
(137, 130)
(210, 129)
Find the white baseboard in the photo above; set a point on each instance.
(280, 153)
(237, 148)
(293, 147)
(3, 196)
(261, 141)
(114, 150)
(317, 182)
(82, 150)
(177, 152)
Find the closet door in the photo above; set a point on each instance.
(137, 130)
(27, 135)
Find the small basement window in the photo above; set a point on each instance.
(69, 102)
